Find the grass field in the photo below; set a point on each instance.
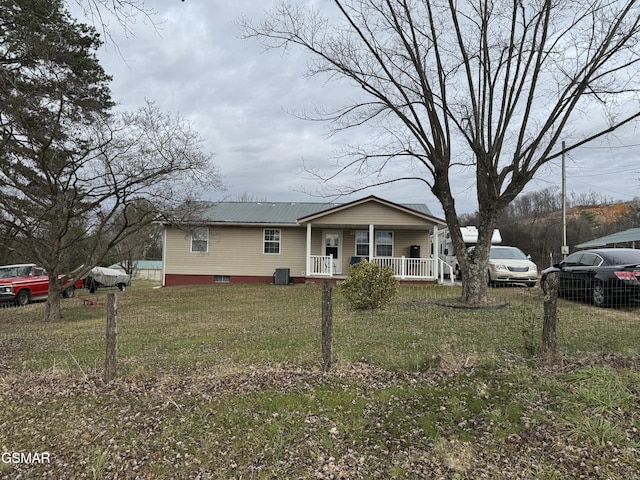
(225, 382)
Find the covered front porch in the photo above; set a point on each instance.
(403, 237)
(330, 251)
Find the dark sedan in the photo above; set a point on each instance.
(605, 276)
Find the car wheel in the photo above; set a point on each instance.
(531, 284)
(122, 287)
(23, 298)
(489, 282)
(69, 292)
(599, 295)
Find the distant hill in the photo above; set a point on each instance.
(540, 233)
(601, 214)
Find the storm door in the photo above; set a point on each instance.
(333, 246)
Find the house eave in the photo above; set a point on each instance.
(246, 224)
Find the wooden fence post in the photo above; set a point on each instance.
(549, 337)
(111, 357)
(327, 327)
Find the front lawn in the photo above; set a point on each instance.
(226, 382)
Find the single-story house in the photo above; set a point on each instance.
(287, 242)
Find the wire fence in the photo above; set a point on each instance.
(228, 327)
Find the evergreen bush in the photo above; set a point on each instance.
(369, 286)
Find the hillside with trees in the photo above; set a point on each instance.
(533, 221)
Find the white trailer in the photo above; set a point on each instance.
(469, 236)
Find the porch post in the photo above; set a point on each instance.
(308, 260)
(436, 252)
(372, 243)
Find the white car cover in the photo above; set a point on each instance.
(108, 277)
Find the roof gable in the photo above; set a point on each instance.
(416, 210)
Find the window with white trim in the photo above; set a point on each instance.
(362, 243)
(271, 240)
(200, 240)
(384, 243)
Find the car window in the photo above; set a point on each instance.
(5, 272)
(40, 271)
(24, 271)
(623, 258)
(590, 260)
(573, 259)
(506, 254)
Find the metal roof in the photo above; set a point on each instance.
(260, 212)
(626, 236)
(280, 213)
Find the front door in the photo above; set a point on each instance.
(333, 246)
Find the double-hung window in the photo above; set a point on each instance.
(271, 240)
(362, 243)
(200, 240)
(384, 243)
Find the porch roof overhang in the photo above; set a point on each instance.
(362, 226)
(317, 217)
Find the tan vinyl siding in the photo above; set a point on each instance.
(371, 213)
(236, 251)
(404, 239)
(178, 256)
(402, 242)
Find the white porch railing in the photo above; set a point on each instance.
(418, 268)
(322, 265)
(441, 270)
(403, 268)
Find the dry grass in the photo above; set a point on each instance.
(225, 382)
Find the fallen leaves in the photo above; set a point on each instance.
(358, 421)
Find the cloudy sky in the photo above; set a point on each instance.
(240, 98)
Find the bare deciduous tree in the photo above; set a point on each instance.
(489, 86)
(125, 12)
(76, 179)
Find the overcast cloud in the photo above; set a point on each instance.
(238, 97)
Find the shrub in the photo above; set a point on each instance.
(369, 286)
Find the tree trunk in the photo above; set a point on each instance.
(474, 284)
(53, 310)
(475, 265)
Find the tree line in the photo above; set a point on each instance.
(533, 221)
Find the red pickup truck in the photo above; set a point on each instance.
(25, 282)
